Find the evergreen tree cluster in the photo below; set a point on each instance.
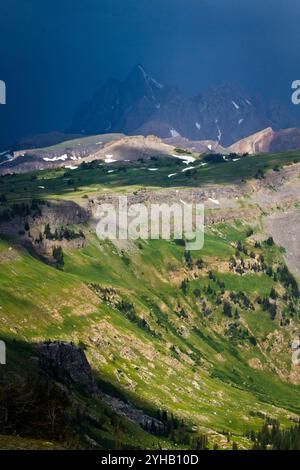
(62, 233)
(169, 426)
(20, 210)
(33, 407)
(128, 309)
(58, 257)
(273, 437)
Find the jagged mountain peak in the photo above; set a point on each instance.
(138, 72)
(141, 105)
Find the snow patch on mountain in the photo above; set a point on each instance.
(185, 158)
(235, 104)
(149, 79)
(55, 159)
(174, 133)
(188, 168)
(71, 167)
(156, 83)
(109, 159)
(8, 157)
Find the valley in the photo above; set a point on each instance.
(197, 343)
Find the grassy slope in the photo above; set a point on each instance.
(19, 443)
(39, 302)
(200, 374)
(61, 183)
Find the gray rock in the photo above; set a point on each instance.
(67, 363)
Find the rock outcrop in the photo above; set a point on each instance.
(267, 140)
(67, 363)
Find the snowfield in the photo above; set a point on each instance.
(71, 167)
(185, 158)
(56, 159)
(174, 133)
(188, 168)
(109, 159)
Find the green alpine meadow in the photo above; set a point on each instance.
(141, 344)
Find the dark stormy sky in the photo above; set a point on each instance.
(55, 53)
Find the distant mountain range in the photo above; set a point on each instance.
(70, 153)
(140, 105)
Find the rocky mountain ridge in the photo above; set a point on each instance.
(109, 148)
(141, 105)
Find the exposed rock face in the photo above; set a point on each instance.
(199, 146)
(287, 139)
(284, 227)
(62, 212)
(29, 229)
(141, 105)
(54, 213)
(255, 143)
(66, 362)
(268, 140)
(133, 148)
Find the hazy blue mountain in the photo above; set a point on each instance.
(141, 105)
